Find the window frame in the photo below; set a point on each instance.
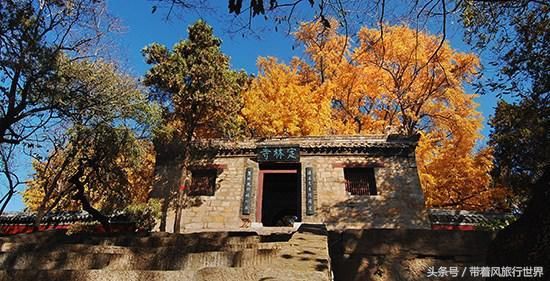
(203, 172)
(363, 175)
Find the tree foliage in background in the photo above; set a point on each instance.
(405, 82)
(100, 163)
(281, 102)
(36, 39)
(96, 173)
(199, 94)
(522, 160)
(49, 187)
(518, 33)
(520, 139)
(144, 215)
(36, 36)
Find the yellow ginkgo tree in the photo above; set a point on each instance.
(400, 80)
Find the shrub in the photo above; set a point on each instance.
(497, 224)
(144, 215)
(81, 227)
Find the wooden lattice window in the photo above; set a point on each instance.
(360, 181)
(203, 182)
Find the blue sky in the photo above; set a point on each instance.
(141, 27)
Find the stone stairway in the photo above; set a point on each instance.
(302, 255)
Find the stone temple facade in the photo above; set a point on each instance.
(342, 181)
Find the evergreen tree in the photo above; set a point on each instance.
(199, 94)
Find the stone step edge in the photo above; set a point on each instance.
(204, 274)
(75, 261)
(7, 248)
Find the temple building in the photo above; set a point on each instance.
(341, 181)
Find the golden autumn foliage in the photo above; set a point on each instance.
(284, 104)
(52, 177)
(404, 81)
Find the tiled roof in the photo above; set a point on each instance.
(55, 218)
(315, 144)
(459, 217)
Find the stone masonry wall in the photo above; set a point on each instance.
(399, 203)
(220, 211)
(407, 254)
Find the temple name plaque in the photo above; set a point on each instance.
(278, 154)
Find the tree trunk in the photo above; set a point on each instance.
(179, 207)
(42, 210)
(39, 215)
(181, 182)
(7, 200)
(81, 196)
(164, 211)
(191, 121)
(166, 179)
(50, 187)
(11, 185)
(104, 220)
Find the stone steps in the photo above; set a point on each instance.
(302, 255)
(205, 274)
(10, 247)
(95, 275)
(59, 260)
(136, 240)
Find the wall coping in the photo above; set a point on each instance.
(386, 145)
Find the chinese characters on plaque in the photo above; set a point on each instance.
(310, 209)
(278, 154)
(247, 191)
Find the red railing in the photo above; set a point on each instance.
(26, 228)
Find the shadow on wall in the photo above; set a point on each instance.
(375, 212)
(400, 204)
(406, 254)
(168, 174)
(166, 187)
(387, 237)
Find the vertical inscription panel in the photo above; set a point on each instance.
(310, 189)
(247, 193)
